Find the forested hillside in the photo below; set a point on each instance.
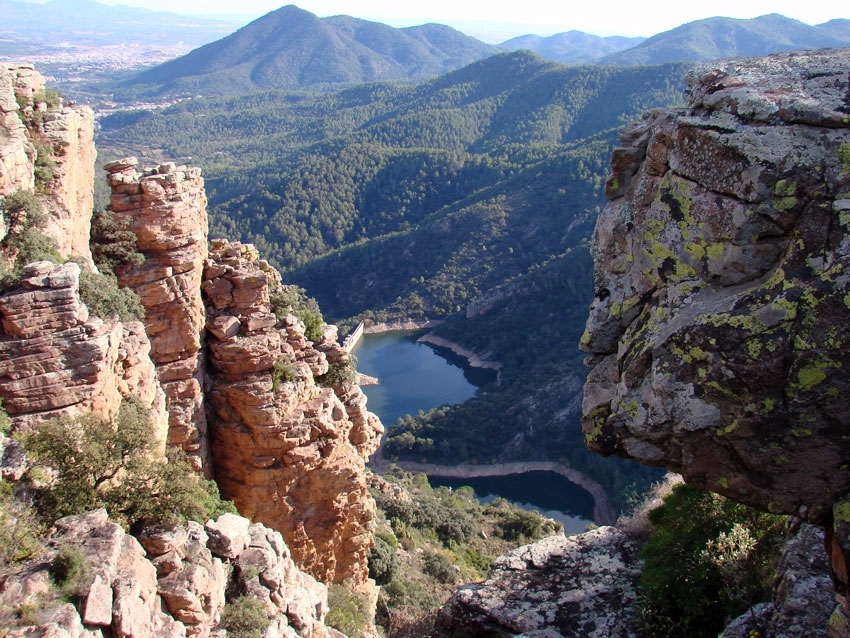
(469, 198)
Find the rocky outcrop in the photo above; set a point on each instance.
(288, 451)
(17, 153)
(721, 320)
(64, 134)
(166, 208)
(581, 585)
(175, 583)
(56, 360)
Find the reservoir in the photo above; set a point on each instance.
(414, 376)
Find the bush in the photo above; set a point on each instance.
(348, 611)
(708, 560)
(284, 370)
(340, 373)
(25, 217)
(19, 528)
(245, 617)
(114, 465)
(112, 246)
(104, 297)
(71, 572)
(287, 299)
(382, 562)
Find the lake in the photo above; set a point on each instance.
(414, 376)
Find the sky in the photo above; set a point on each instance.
(492, 20)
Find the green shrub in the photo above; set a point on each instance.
(113, 465)
(284, 370)
(19, 528)
(382, 561)
(112, 246)
(340, 373)
(245, 617)
(104, 297)
(348, 611)
(293, 300)
(707, 560)
(43, 170)
(25, 217)
(71, 572)
(439, 566)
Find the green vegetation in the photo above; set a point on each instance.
(71, 572)
(285, 300)
(283, 371)
(469, 198)
(104, 297)
(112, 246)
(707, 560)
(114, 465)
(341, 373)
(24, 215)
(245, 617)
(434, 538)
(348, 610)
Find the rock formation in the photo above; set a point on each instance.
(166, 208)
(581, 585)
(719, 331)
(173, 584)
(64, 135)
(289, 452)
(58, 361)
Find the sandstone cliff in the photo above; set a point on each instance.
(56, 360)
(290, 452)
(57, 139)
(166, 209)
(720, 325)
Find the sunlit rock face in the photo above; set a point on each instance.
(719, 332)
(288, 451)
(166, 207)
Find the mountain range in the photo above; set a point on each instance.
(572, 47)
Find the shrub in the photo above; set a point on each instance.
(245, 617)
(19, 528)
(71, 572)
(284, 370)
(112, 246)
(382, 562)
(348, 610)
(286, 299)
(439, 566)
(340, 373)
(519, 525)
(25, 217)
(708, 559)
(114, 465)
(104, 297)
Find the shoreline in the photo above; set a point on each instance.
(473, 360)
(602, 512)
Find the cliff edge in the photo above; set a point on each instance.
(719, 331)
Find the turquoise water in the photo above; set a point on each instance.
(414, 376)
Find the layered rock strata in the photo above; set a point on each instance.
(289, 452)
(166, 208)
(173, 584)
(583, 585)
(65, 134)
(721, 321)
(56, 360)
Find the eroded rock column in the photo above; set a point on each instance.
(166, 208)
(289, 452)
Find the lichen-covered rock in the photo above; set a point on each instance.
(582, 585)
(721, 321)
(289, 452)
(56, 360)
(166, 208)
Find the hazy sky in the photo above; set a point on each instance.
(543, 17)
